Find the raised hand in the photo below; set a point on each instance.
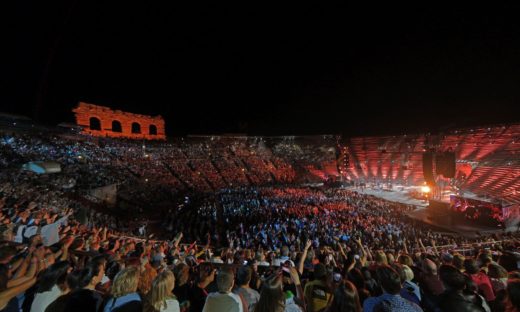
(294, 276)
(308, 244)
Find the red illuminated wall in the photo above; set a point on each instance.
(89, 116)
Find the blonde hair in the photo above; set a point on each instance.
(161, 290)
(381, 258)
(125, 282)
(407, 273)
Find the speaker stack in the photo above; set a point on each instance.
(445, 164)
(428, 168)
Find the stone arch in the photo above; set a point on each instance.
(152, 130)
(116, 126)
(94, 123)
(136, 127)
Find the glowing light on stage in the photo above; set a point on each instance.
(425, 189)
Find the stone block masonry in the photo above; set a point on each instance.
(102, 121)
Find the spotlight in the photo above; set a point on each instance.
(425, 189)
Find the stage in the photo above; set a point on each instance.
(398, 194)
(438, 219)
(423, 215)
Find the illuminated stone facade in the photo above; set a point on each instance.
(103, 121)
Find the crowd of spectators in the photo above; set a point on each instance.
(244, 247)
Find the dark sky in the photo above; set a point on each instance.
(265, 69)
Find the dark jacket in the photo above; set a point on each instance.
(462, 302)
(84, 300)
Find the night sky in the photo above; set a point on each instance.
(261, 69)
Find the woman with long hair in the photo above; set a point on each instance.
(345, 299)
(160, 297)
(273, 299)
(50, 286)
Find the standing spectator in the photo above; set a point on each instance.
(160, 297)
(480, 279)
(284, 256)
(390, 300)
(87, 298)
(272, 297)
(73, 284)
(346, 299)
(224, 300)
(456, 297)
(249, 295)
(513, 295)
(318, 292)
(50, 286)
(199, 293)
(410, 290)
(124, 292)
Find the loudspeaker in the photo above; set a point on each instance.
(440, 163)
(449, 165)
(428, 168)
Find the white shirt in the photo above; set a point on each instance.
(219, 302)
(172, 305)
(281, 260)
(263, 263)
(42, 300)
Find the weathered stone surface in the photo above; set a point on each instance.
(87, 114)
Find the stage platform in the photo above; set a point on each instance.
(423, 215)
(398, 194)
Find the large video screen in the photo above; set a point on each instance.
(476, 212)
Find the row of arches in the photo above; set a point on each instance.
(95, 124)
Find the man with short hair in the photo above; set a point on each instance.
(224, 300)
(284, 256)
(457, 297)
(248, 295)
(390, 300)
(429, 280)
